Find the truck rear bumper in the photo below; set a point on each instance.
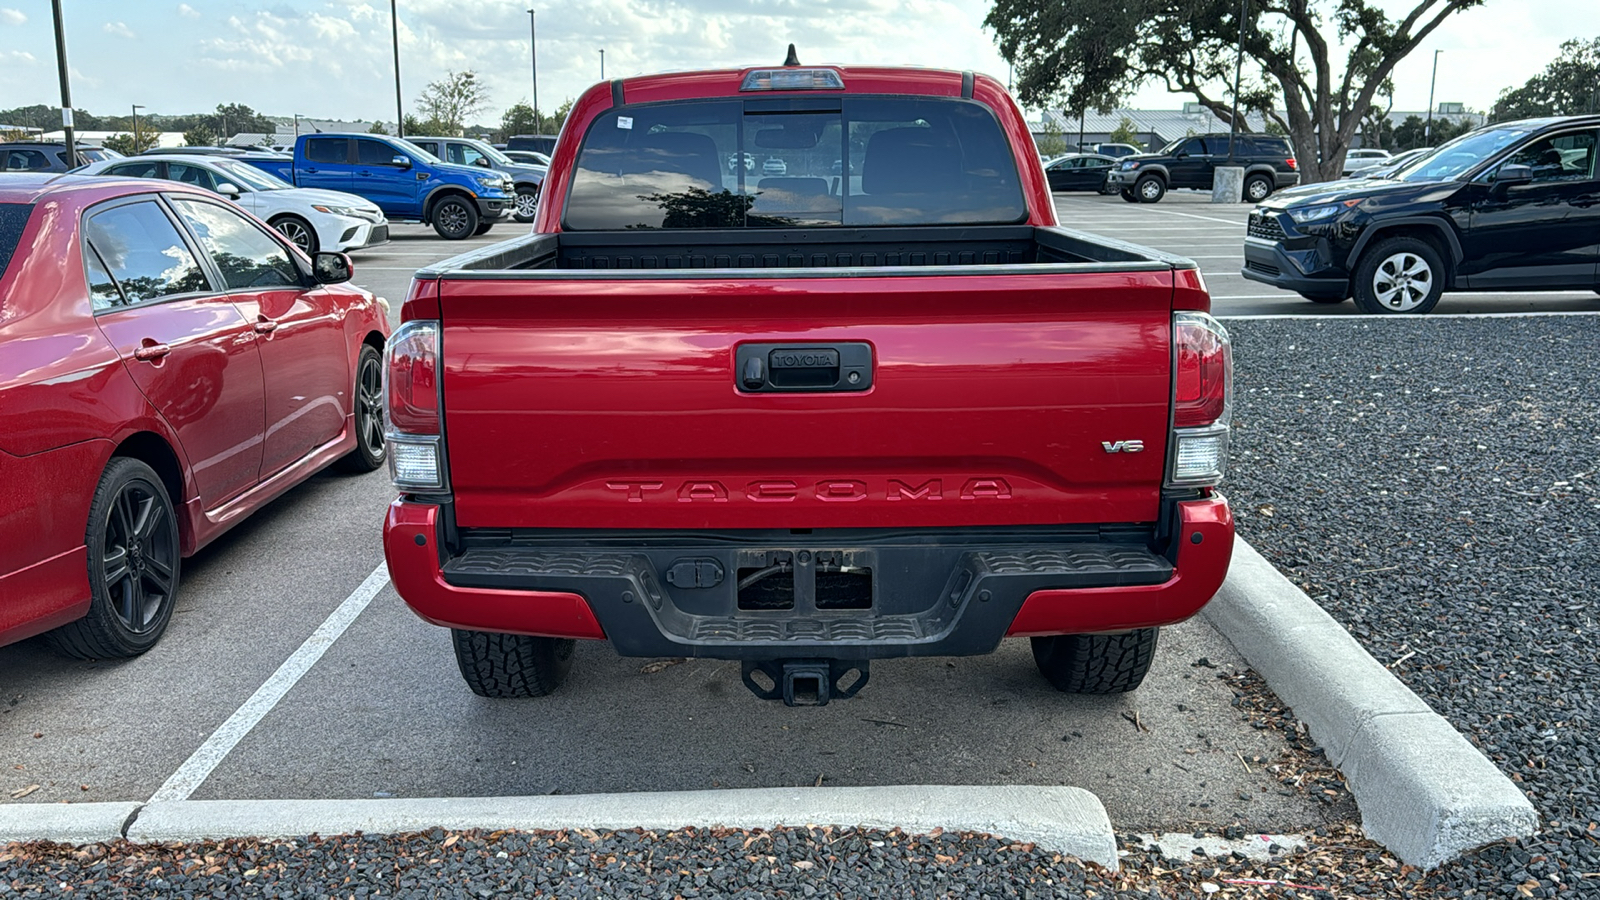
(832, 595)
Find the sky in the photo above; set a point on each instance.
(333, 58)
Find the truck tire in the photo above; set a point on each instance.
(1096, 663)
(1399, 275)
(1129, 195)
(134, 559)
(1150, 189)
(455, 218)
(1257, 188)
(504, 666)
(368, 400)
(483, 228)
(527, 203)
(298, 231)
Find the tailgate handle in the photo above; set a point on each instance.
(804, 368)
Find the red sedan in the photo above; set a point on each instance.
(167, 366)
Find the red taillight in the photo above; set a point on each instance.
(1291, 163)
(1203, 370)
(412, 371)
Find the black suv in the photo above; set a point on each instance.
(1513, 206)
(1189, 163)
(46, 156)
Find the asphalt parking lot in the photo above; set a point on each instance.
(384, 712)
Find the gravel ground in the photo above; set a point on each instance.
(1432, 484)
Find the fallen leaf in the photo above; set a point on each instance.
(451, 840)
(19, 793)
(659, 665)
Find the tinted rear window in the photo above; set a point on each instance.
(765, 162)
(12, 217)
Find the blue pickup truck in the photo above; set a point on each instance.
(408, 183)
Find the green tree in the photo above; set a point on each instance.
(519, 118)
(199, 136)
(1049, 140)
(552, 123)
(378, 128)
(416, 127)
(1124, 134)
(1086, 53)
(1569, 85)
(452, 100)
(233, 118)
(125, 143)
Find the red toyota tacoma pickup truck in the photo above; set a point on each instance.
(879, 405)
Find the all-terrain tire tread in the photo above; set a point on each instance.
(505, 666)
(1096, 663)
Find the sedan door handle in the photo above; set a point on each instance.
(151, 352)
(1584, 201)
(266, 326)
(309, 171)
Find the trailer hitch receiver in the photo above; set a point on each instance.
(804, 682)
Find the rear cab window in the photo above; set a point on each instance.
(813, 162)
(326, 150)
(13, 217)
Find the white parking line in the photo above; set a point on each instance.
(200, 764)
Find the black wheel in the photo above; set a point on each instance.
(455, 218)
(368, 401)
(511, 665)
(298, 231)
(1257, 188)
(527, 202)
(1150, 189)
(1129, 195)
(1399, 275)
(1096, 663)
(134, 555)
(483, 228)
(1324, 298)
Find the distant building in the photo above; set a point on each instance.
(286, 132)
(163, 138)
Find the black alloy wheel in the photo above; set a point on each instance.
(134, 561)
(455, 219)
(368, 401)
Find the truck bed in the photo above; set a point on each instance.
(845, 249)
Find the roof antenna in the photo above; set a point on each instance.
(793, 60)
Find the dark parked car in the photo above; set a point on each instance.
(542, 143)
(1079, 172)
(1511, 207)
(1190, 162)
(34, 156)
(1117, 150)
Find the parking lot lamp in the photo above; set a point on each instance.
(136, 108)
(533, 48)
(1238, 73)
(66, 88)
(399, 111)
(1427, 131)
(602, 64)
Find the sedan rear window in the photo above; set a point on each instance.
(777, 163)
(12, 217)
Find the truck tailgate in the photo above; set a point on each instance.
(996, 399)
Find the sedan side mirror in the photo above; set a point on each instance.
(481, 161)
(401, 160)
(1512, 174)
(228, 189)
(331, 268)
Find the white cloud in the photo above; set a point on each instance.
(187, 11)
(120, 29)
(21, 57)
(12, 16)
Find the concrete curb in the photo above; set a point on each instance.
(1424, 791)
(1065, 820)
(67, 823)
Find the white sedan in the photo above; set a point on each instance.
(312, 218)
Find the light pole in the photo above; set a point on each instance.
(602, 64)
(136, 108)
(399, 111)
(533, 51)
(1428, 130)
(66, 89)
